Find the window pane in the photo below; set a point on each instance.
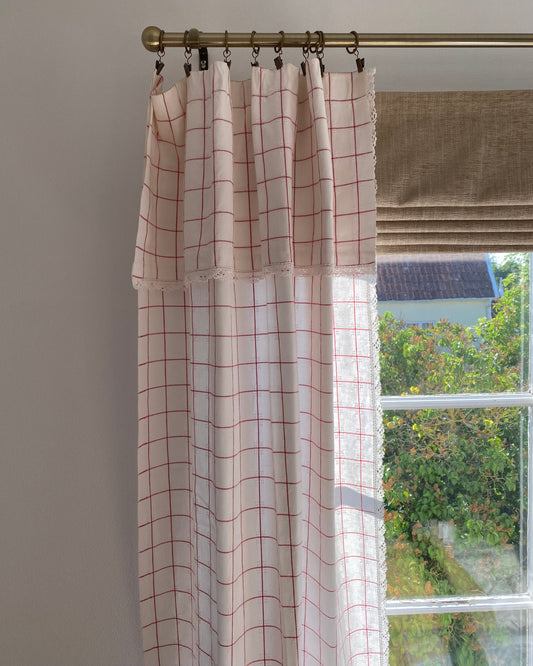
(453, 323)
(455, 501)
(459, 639)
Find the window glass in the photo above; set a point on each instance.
(455, 345)
(459, 639)
(456, 501)
(453, 323)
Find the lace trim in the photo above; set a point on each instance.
(378, 471)
(373, 117)
(286, 268)
(378, 414)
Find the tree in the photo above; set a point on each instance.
(454, 479)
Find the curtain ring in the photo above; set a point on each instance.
(188, 52)
(312, 47)
(279, 49)
(226, 53)
(360, 62)
(159, 64)
(320, 51)
(305, 50)
(355, 48)
(318, 46)
(307, 45)
(255, 50)
(279, 46)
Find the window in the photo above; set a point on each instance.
(420, 324)
(458, 405)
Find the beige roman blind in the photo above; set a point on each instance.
(455, 171)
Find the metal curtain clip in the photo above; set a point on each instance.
(204, 58)
(278, 49)
(226, 53)
(159, 64)
(188, 52)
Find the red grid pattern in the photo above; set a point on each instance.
(258, 486)
(255, 176)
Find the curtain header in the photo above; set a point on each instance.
(271, 174)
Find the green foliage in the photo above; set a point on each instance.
(455, 470)
(512, 263)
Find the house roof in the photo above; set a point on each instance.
(434, 277)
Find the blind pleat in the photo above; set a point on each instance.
(455, 172)
(428, 243)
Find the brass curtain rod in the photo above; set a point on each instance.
(155, 39)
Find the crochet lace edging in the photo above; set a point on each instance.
(379, 442)
(373, 118)
(378, 414)
(228, 274)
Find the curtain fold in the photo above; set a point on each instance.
(260, 501)
(455, 171)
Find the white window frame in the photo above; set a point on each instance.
(462, 604)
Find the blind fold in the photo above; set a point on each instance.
(455, 172)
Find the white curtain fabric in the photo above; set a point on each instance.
(260, 529)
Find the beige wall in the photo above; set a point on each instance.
(73, 98)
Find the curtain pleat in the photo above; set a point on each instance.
(260, 500)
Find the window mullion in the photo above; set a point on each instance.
(530, 469)
(459, 604)
(457, 400)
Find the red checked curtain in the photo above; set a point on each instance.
(260, 529)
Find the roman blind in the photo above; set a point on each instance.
(454, 171)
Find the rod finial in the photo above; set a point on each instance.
(151, 38)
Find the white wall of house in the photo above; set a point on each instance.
(456, 310)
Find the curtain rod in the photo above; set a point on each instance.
(155, 39)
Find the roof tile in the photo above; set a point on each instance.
(434, 277)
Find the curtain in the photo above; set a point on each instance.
(455, 171)
(260, 505)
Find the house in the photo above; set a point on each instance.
(426, 288)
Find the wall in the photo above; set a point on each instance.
(462, 311)
(74, 80)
